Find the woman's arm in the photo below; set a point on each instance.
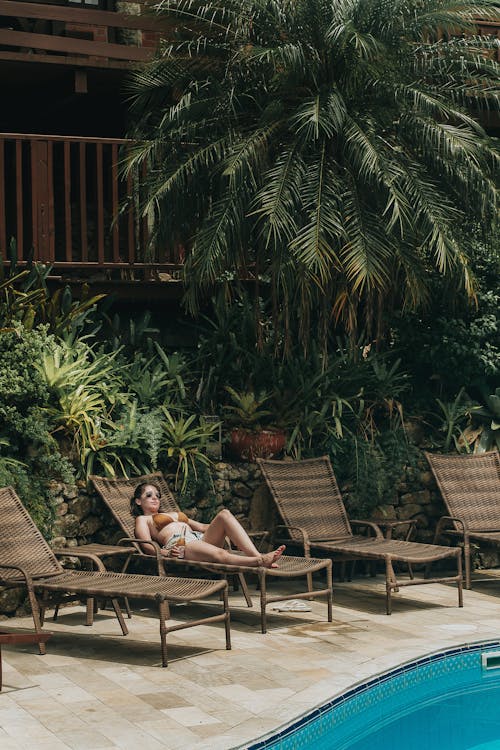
(142, 531)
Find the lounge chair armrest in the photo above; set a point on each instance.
(369, 525)
(444, 520)
(124, 542)
(160, 559)
(133, 542)
(73, 552)
(255, 534)
(259, 537)
(24, 573)
(305, 536)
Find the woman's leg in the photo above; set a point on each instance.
(225, 524)
(205, 552)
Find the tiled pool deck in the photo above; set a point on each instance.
(96, 689)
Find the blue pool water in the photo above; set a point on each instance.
(446, 701)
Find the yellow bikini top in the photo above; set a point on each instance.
(161, 520)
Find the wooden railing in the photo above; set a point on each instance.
(64, 202)
(36, 32)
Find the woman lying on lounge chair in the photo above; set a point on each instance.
(180, 536)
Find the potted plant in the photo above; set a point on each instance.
(252, 435)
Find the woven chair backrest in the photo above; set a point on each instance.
(116, 494)
(307, 495)
(21, 543)
(470, 487)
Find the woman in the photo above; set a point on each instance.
(180, 536)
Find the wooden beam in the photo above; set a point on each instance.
(81, 84)
(19, 201)
(146, 22)
(62, 138)
(67, 201)
(3, 233)
(71, 60)
(73, 46)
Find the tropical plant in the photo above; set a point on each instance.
(67, 367)
(246, 409)
(454, 345)
(84, 388)
(29, 455)
(176, 372)
(484, 430)
(232, 350)
(130, 333)
(158, 379)
(184, 441)
(330, 145)
(17, 306)
(24, 298)
(7, 462)
(453, 416)
(147, 380)
(127, 446)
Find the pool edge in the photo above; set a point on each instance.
(285, 729)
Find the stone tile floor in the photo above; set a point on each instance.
(95, 689)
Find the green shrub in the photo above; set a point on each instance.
(370, 471)
(29, 455)
(454, 344)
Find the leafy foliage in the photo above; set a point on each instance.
(29, 455)
(25, 299)
(184, 441)
(455, 345)
(328, 146)
(370, 471)
(484, 430)
(246, 408)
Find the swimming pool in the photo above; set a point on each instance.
(444, 701)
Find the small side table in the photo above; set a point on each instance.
(16, 638)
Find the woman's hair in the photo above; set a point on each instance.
(135, 509)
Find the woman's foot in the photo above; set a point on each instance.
(269, 559)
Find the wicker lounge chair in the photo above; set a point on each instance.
(26, 559)
(309, 502)
(116, 494)
(470, 487)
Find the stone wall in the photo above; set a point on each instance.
(81, 516)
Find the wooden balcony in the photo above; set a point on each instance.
(82, 37)
(64, 202)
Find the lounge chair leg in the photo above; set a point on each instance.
(460, 580)
(227, 620)
(390, 579)
(263, 600)
(244, 588)
(342, 572)
(91, 606)
(164, 614)
(119, 616)
(329, 596)
(468, 566)
(37, 620)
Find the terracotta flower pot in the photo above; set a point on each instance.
(248, 445)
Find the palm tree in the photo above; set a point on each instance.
(324, 146)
